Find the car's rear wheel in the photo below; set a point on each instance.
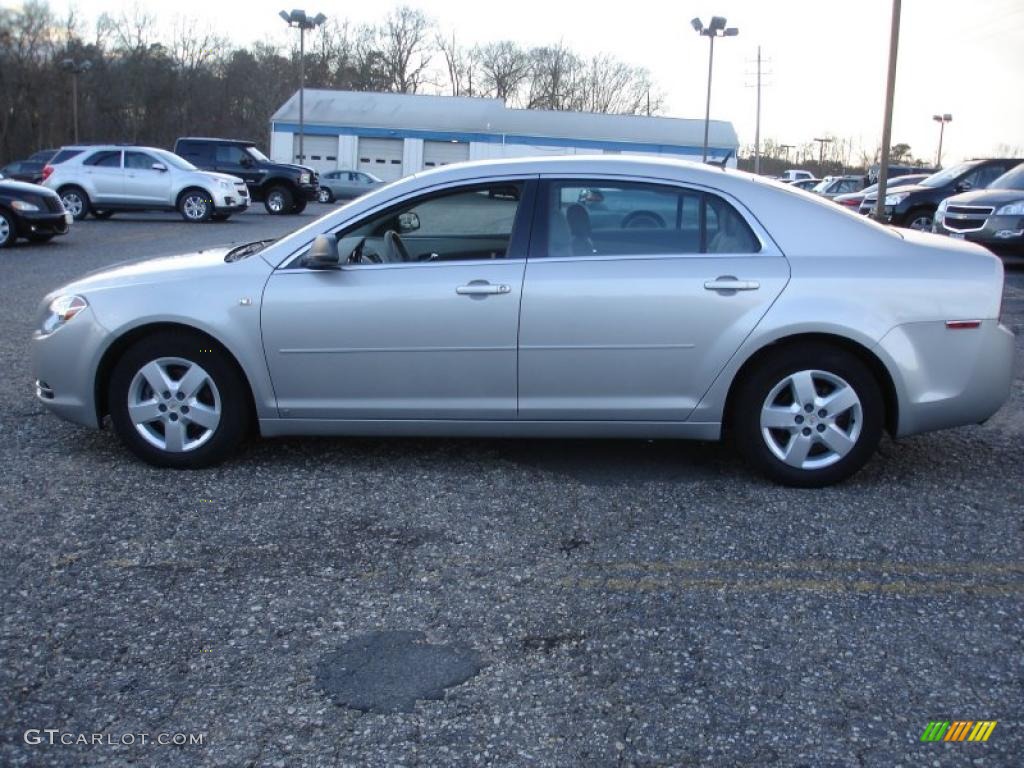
(195, 205)
(8, 232)
(324, 195)
(177, 401)
(75, 201)
(278, 200)
(920, 219)
(809, 416)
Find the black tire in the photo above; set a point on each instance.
(37, 238)
(195, 205)
(102, 215)
(917, 217)
(8, 229)
(278, 200)
(752, 394)
(324, 195)
(299, 206)
(75, 201)
(231, 386)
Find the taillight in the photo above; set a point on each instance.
(47, 170)
(850, 203)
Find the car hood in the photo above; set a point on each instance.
(986, 197)
(221, 176)
(289, 167)
(185, 266)
(9, 185)
(896, 187)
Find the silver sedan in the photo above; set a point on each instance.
(579, 296)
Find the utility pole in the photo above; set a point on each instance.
(821, 151)
(786, 148)
(76, 68)
(298, 18)
(941, 120)
(890, 93)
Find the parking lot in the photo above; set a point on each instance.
(616, 602)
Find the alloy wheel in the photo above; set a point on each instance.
(324, 195)
(811, 419)
(195, 207)
(73, 203)
(174, 404)
(275, 202)
(922, 223)
(5, 230)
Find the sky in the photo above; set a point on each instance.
(827, 59)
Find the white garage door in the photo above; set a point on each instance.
(321, 152)
(381, 157)
(437, 153)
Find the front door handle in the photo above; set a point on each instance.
(731, 283)
(482, 288)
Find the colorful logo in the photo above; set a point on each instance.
(958, 730)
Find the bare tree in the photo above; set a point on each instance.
(459, 65)
(503, 66)
(403, 44)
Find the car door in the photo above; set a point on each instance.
(104, 177)
(630, 317)
(144, 184)
(237, 162)
(424, 331)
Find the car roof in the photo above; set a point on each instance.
(218, 141)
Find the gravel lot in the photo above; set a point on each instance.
(615, 603)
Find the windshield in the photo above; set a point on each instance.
(175, 161)
(942, 178)
(372, 178)
(821, 186)
(259, 156)
(1012, 179)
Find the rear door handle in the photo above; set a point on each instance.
(730, 283)
(482, 288)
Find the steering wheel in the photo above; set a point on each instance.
(396, 248)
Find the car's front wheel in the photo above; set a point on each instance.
(177, 400)
(324, 195)
(920, 219)
(195, 206)
(278, 200)
(810, 416)
(8, 232)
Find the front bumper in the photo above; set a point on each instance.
(64, 368)
(308, 192)
(43, 223)
(234, 201)
(1002, 234)
(948, 378)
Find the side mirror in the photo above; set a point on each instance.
(408, 222)
(323, 253)
(963, 186)
(158, 167)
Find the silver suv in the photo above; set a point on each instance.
(104, 179)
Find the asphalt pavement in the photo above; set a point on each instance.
(414, 602)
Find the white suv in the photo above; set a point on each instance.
(105, 179)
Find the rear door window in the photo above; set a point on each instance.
(105, 159)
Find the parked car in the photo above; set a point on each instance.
(853, 200)
(106, 179)
(993, 217)
(30, 211)
(839, 185)
(914, 205)
(281, 187)
(30, 170)
(807, 184)
(796, 175)
(482, 299)
(344, 184)
(899, 170)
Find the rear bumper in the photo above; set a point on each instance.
(948, 378)
(43, 223)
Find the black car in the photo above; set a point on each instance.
(914, 206)
(993, 217)
(282, 187)
(30, 211)
(30, 170)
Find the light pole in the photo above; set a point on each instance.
(941, 120)
(715, 29)
(298, 18)
(821, 152)
(75, 68)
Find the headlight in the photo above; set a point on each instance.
(61, 310)
(1015, 208)
(897, 198)
(304, 178)
(21, 205)
(942, 207)
(226, 185)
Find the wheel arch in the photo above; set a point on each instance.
(121, 344)
(870, 359)
(192, 188)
